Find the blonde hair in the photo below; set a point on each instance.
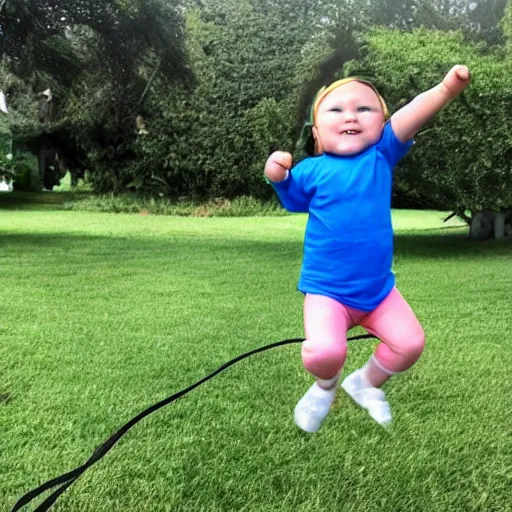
(324, 91)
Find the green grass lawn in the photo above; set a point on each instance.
(103, 315)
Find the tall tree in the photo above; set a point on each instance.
(36, 35)
(98, 58)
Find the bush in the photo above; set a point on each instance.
(462, 159)
(26, 173)
(240, 207)
(6, 166)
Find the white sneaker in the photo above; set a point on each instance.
(313, 407)
(370, 398)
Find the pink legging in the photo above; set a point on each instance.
(326, 322)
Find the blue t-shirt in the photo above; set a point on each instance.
(348, 246)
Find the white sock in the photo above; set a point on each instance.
(322, 394)
(380, 366)
(367, 369)
(364, 376)
(328, 383)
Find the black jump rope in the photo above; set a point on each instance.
(62, 482)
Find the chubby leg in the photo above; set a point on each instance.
(402, 338)
(402, 342)
(323, 353)
(326, 323)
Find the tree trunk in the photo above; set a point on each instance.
(489, 224)
(499, 225)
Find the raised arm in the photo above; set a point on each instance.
(407, 121)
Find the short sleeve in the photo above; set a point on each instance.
(293, 191)
(391, 147)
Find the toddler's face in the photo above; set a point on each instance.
(349, 119)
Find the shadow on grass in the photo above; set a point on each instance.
(446, 243)
(38, 201)
(433, 244)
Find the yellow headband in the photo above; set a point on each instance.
(322, 93)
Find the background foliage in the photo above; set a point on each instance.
(219, 83)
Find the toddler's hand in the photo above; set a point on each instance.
(278, 163)
(457, 80)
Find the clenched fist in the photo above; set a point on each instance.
(277, 166)
(456, 80)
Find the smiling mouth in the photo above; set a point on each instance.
(350, 132)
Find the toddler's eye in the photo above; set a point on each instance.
(335, 109)
(363, 109)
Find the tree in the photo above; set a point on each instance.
(98, 59)
(114, 68)
(258, 65)
(462, 159)
(506, 25)
(250, 58)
